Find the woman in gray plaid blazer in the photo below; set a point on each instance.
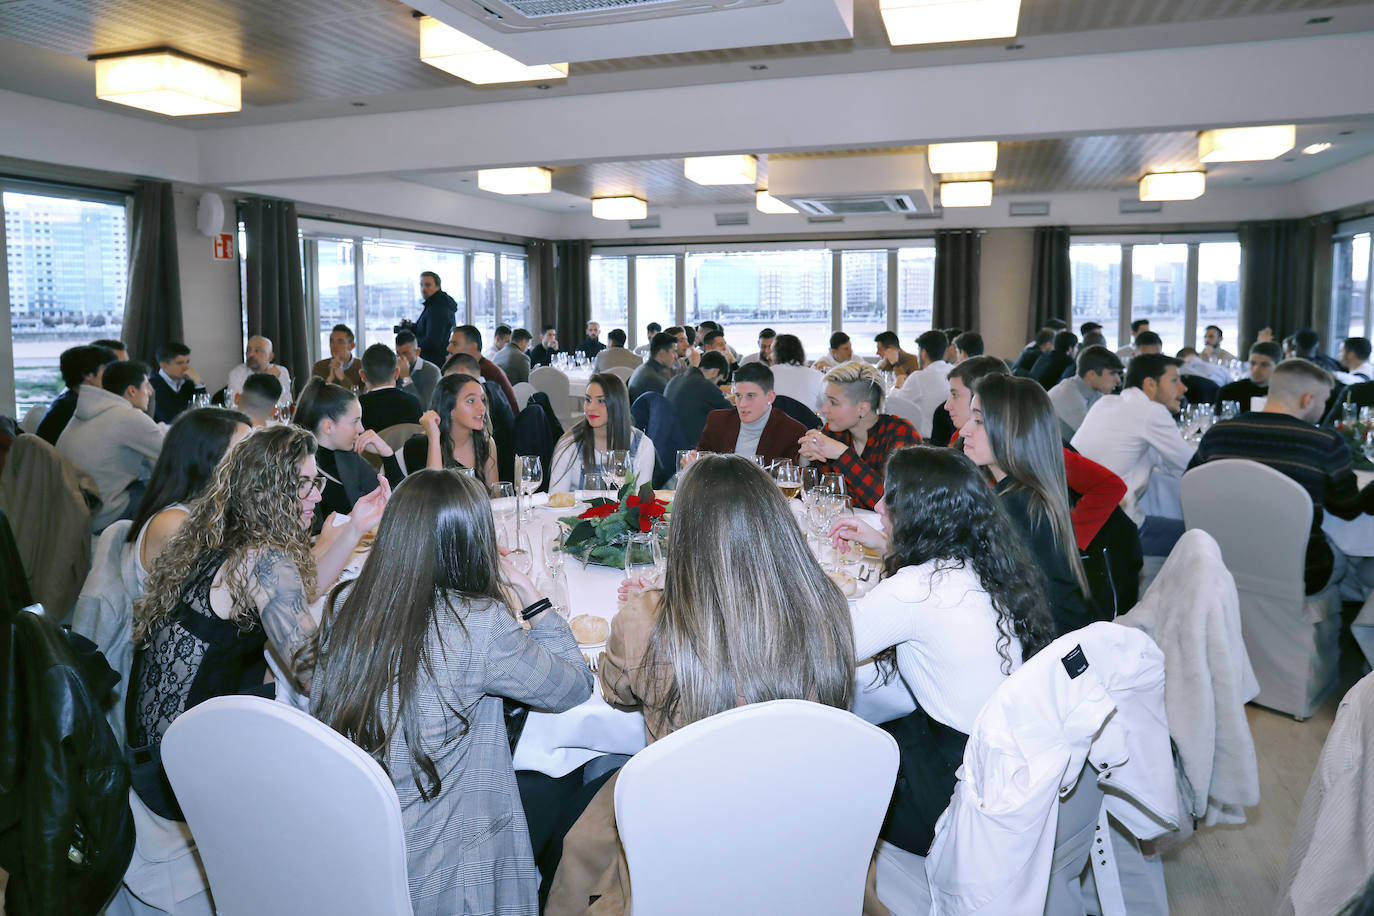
(414, 660)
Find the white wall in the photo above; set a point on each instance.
(1004, 290)
(210, 303)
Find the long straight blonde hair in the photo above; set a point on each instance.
(746, 613)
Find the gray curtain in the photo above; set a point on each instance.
(273, 283)
(543, 289)
(1051, 279)
(152, 307)
(1286, 275)
(958, 257)
(573, 282)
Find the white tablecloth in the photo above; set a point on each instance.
(1354, 538)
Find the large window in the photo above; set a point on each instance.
(1350, 284)
(747, 291)
(515, 292)
(656, 297)
(610, 295)
(863, 312)
(1180, 283)
(67, 259)
(915, 293)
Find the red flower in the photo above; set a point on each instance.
(632, 500)
(601, 511)
(646, 524)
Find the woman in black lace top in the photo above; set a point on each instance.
(236, 579)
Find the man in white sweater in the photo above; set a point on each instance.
(113, 439)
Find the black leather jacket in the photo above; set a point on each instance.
(66, 832)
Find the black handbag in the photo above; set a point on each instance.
(930, 755)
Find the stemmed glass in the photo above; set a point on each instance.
(644, 558)
(833, 485)
(810, 480)
(788, 477)
(530, 470)
(616, 466)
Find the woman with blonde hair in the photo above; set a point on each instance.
(858, 437)
(414, 660)
(1013, 433)
(235, 579)
(766, 624)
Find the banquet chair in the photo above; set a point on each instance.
(554, 383)
(32, 417)
(1261, 519)
(621, 372)
(899, 405)
(396, 436)
(289, 816)
(798, 411)
(773, 807)
(523, 390)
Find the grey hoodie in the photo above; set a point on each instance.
(114, 442)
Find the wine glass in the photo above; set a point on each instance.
(530, 470)
(644, 558)
(833, 485)
(502, 502)
(1367, 445)
(552, 542)
(617, 466)
(519, 553)
(788, 477)
(810, 480)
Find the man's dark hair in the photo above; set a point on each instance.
(1275, 352)
(887, 339)
(546, 328)
(121, 374)
(838, 339)
(1138, 324)
(471, 335)
(1185, 353)
(662, 341)
(788, 349)
(757, 373)
(1056, 324)
(170, 351)
(263, 389)
(1306, 341)
(708, 325)
(674, 331)
(711, 337)
(464, 362)
(1094, 339)
(111, 343)
(1148, 339)
(951, 333)
(76, 363)
(935, 343)
(653, 328)
(1044, 336)
(969, 343)
(1088, 327)
(767, 334)
(1220, 333)
(520, 335)
(714, 359)
(1097, 358)
(976, 367)
(1357, 345)
(616, 337)
(405, 336)
(344, 329)
(502, 331)
(691, 333)
(1065, 341)
(379, 364)
(1150, 365)
(433, 276)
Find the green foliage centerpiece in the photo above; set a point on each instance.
(599, 534)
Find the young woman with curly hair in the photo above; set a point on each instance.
(236, 578)
(959, 607)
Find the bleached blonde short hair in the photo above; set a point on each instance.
(861, 381)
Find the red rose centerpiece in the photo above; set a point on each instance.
(599, 534)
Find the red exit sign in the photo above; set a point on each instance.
(224, 247)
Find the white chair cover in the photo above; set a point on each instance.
(1261, 519)
(32, 418)
(523, 390)
(621, 372)
(396, 436)
(768, 808)
(910, 410)
(554, 383)
(289, 816)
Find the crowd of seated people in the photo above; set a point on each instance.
(982, 520)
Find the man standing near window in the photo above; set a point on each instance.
(436, 319)
(174, 382)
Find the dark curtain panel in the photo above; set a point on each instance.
(958, 254)
(543, 288)
(1050, 287)
(152, 308)
(573, 279)
(1286, 275)
(274, 286)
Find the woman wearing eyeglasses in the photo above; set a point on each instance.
(858, 437)
(236, 578)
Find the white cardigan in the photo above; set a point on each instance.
(565, 467)
(945, 629)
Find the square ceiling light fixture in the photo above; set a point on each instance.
(528, 180)
(1246, 144)
(450, 50)
(924, 22)
(767, 203)
(977, 156)
(717, 170)
(1173, 185)
(620, 207)
(168, 82)
(965, 194)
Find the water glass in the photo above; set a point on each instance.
(1230, 410)
(644, 558)
(810, 480)
(1349, 413)
(615, 467)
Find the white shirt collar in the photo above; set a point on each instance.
(174, 384)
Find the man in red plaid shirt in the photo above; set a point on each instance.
(858, 436)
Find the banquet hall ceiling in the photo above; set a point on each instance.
(312, 58)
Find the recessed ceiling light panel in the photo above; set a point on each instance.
(1314, 148)
(167, 82)
(530, 180)
(1246, 144)
(1173, 185)
(923, 22)
(720, 170)
(948, 158)
(965, 194)
(620, 207)
(468, 59)
(767, 203)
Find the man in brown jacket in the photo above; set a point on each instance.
(753, 427)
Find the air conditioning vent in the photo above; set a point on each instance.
(825, 219)
(854, 206)
(732, 219)
(649, 222)
(1131, 205)
(1029, 208)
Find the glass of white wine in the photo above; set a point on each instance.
(788, 477)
